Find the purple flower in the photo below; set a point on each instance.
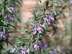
(38, 11)
(49, 18)
(6, 36)
(10, 17)
(14, 10)
(1, 34)
(19, 52)
(42, 25)
(23, 50)
(12, 7)
(13, 50)
(39, 43)
(36, 47)
(27, 50)
(44, 46)
(37, 28)
(52, 52)
(34, 29)
(70, 1)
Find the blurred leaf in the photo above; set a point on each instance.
(34, 7)
(14, 15)
(3, 12)
(11, 26)
(3, 29)
(22, 31)
(68, 5)
(23, 38)
(18, 3)
(59, 2)
(28, 22)
(8, 48)
(37, 38)
(31, 46)
(4, 22)
(55, 8)
(46, 24)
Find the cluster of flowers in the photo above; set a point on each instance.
(40, 44)
(2, 35)
(22, 51)
(36, 47)
(9, 16)
(38, 27)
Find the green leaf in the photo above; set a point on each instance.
(3, 12)
(42, 4)
(59, 2)
(8, 48)
(11, 26)
(55, 8)
(22, 31)
(37, 38)
(23, 38)
(14, 15)
(1, 2)
(3, 29)
(28, 22)
(34, 7)
(18, 3)
(68, 5)
(3, 22)
(31, 45)
(46, 24)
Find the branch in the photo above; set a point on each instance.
(39, 22)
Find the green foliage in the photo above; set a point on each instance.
(41, 15)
